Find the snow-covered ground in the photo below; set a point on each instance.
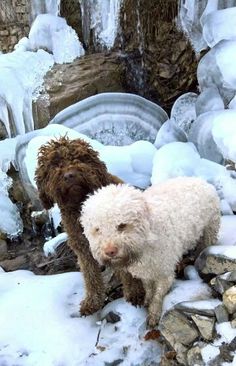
(37, 321)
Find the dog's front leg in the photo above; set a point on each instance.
(95, 291)
(133, 289)
(155, 307)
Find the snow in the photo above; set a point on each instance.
(228, 251)
(39, 330)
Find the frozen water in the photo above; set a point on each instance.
(173, 160)
(169, 132)
(184, 112)
(114, 118)
(182, 159)
(227, 233)
(51, 245)
(220, 25)
(217, 69)
(188, 20)
(103, 18)
(232, 104)
(53, 34)
(209, 100)
(201, 135)
(224, 133)
(10, 223)
(44, 6)
(7, 153)
(21, 76)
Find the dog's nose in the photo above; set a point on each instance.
(68, 176)
(111, 250)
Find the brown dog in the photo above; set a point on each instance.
(68, 170)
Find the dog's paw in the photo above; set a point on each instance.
(153, 319)
(89, 306)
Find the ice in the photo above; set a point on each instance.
(188, 21)
(232, 104)
(44, 6)
(10, 223)
(216, 68)
(103, 18)
(132, 163)
(209, 100)
(224, 133)
(228, 251)
(51, 245)
(7, 153)
(184, 112)
(114, 118)
(173, 160)
(20, 77)
(227, 233)
(52, 33)
(201, 135)
(40, 330)
(182, 159)
(219, 25)
(169, 132)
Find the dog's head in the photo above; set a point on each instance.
(116, 222)
(67, 171)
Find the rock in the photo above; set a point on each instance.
(194, 357)
(179, 331)
(3, 249)
(229, 299)
(67, 84)
(216, 260)
(112, 317)
(221, 314)
(223, 282)
(201, 307)
(20, 262)
(205, 326)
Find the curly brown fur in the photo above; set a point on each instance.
(68, 170)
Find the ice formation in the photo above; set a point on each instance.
(224, 133)
(184, 112)
(169, 132)
(20, 77)
(182, 159)
(10, 223)
(103, 18)
(209, 100)
(52, 33)
(44, 6)
(114, 118)
(219, 25)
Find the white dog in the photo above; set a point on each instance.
(146, 233)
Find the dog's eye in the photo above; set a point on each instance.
(121, 227)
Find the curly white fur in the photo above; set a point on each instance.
(147, 233)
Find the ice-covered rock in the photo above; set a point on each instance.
(216, 260)
(209, 100)
(224, 133)
(216, 68)
(169, 132)
(114, 118)
(219, 25)
(51, 245)
(201, 135)
(184, 111)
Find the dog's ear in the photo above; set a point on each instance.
(41, 175)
